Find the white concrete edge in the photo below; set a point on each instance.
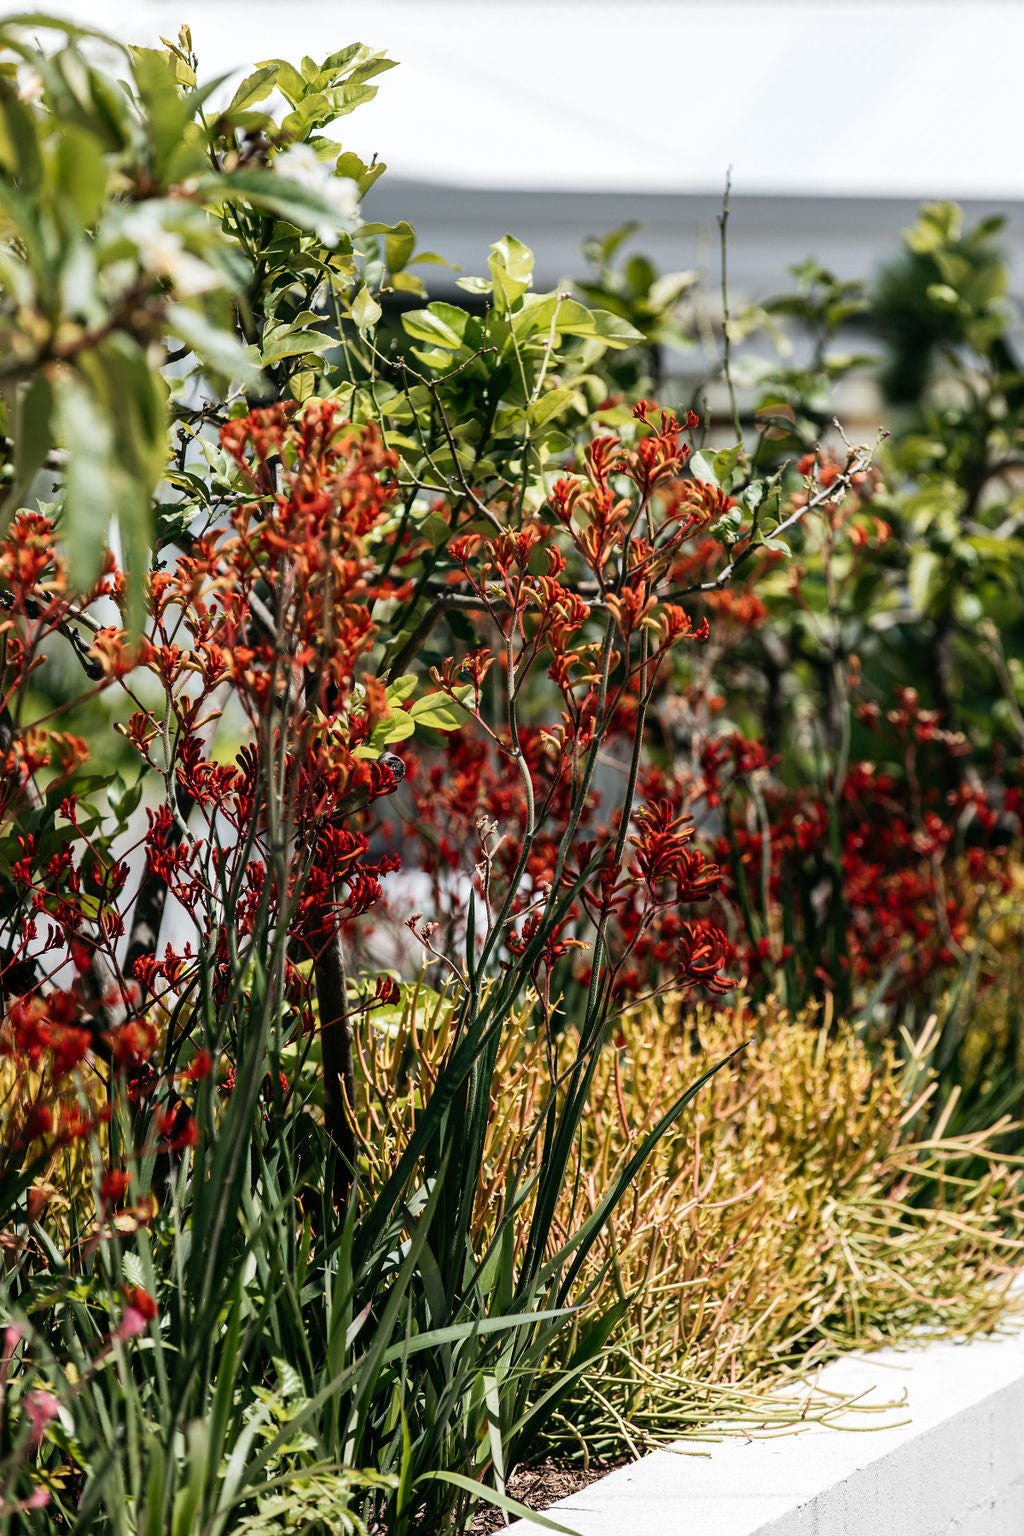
(949, 1460)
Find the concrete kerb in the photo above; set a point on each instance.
(946, 1460)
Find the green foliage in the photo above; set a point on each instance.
(953, 372)
(793, 391)
(917, 580)
(947, 290)
(944, 586)
(139, 228)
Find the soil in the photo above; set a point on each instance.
(538, 1487)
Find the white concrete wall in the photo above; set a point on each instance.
(949, 1461)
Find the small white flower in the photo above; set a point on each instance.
(162, 250)
(300, 163)
(30, 84)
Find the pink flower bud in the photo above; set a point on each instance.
(131, 1325)
(41, 1407)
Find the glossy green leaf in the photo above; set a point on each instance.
(440, 712)
(166, 110)
(550, 405)
(440, 325)
(511, 266)
(399, 245)
(289, 81)
(363, 175)
(254, 88)
(294, 341)
(726, 461)
(398, 727)
(401, 688)
(614, 331)
(408, 282)
(702, 467)
(567, 317)
(124, 798)
(365, 311)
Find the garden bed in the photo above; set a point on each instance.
(700, 1063)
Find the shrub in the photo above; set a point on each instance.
(800, 1207)
(849, 737)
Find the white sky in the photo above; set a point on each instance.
(918, 98)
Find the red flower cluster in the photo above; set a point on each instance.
(274, 606)
(588, 598)
(906, 893)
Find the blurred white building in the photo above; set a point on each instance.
(555, 119)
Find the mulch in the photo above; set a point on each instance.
(540, 1486)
